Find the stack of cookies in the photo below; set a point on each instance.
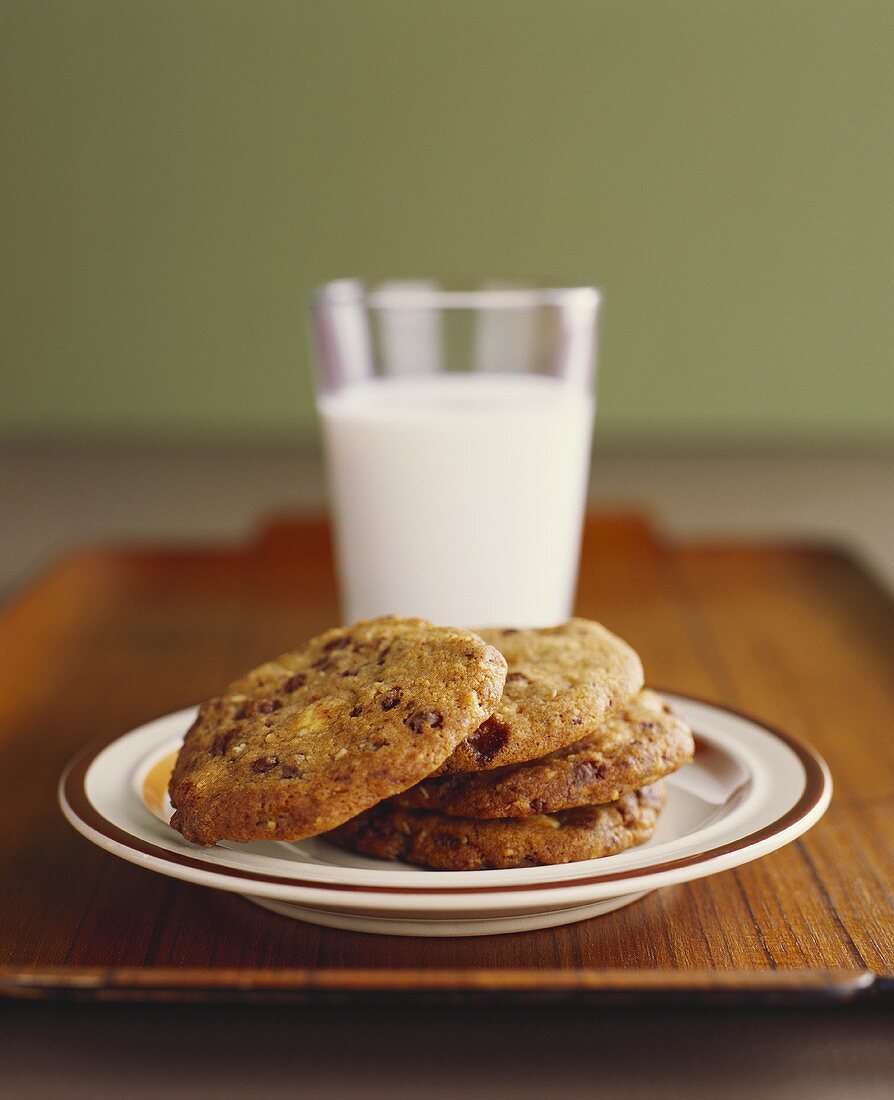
(441, 747)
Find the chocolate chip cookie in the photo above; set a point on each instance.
(314, 737)
(634, 747)
(448, 843)
(563, 682)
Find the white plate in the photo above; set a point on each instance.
(749, 791)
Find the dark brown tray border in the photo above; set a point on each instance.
(457, 987)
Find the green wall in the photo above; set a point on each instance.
(176, 174)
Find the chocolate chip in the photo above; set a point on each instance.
(291, 771)
(222, 741)
(356, 712)
(380, 743)
(338, 643)
(517, 678)
(323, 665)
(585, 771)
(350, 672)
(433, 719)
(576, 719)
(264, 764)
(391, 698)
(510, 630)
(295, 682)
(380, 660)
(488, 739)
(258, 706)
(537, 805)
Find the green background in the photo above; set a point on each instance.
(177, 175)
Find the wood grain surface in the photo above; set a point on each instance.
(800, 637)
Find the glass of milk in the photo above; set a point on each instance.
(457, 428)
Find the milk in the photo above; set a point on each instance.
(458, 497)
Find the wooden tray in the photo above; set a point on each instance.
(801, 637)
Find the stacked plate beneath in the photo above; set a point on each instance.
(749, 791)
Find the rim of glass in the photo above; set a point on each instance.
(430, 294)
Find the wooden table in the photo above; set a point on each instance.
(798, 636)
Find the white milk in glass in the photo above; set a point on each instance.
(458, 497)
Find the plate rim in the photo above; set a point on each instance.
(92, 824)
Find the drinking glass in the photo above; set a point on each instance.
(457, 426)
